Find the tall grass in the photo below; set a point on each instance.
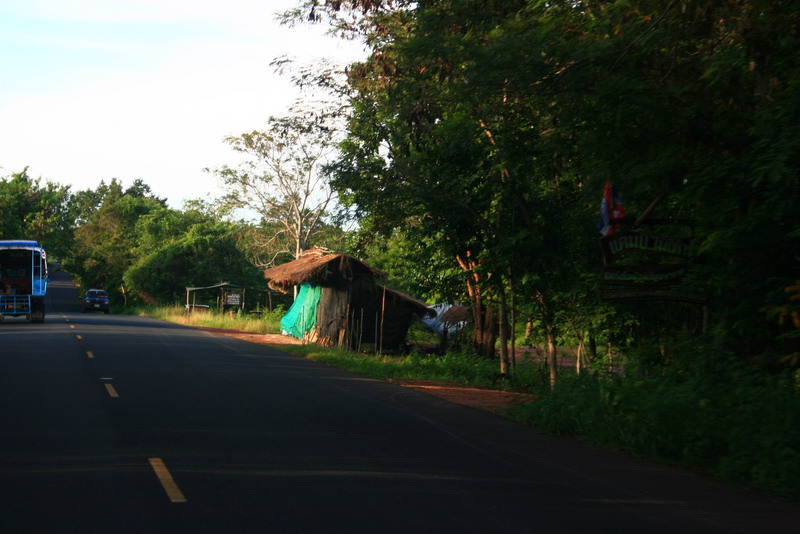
(267, 323)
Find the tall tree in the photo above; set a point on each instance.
(425, 144)
(36, 211)
(282, 184)
(206, 253)
(105, 245)
(495, 123)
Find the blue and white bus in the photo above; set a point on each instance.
(23, 280)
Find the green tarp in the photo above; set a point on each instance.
(302, 316)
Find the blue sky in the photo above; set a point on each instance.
(92, 90)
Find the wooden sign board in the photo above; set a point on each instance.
(618, 245)
(653, 269)
(641, 293)
(233, 299)
(644, 275)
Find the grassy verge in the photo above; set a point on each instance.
(452, 367)
(268, 323)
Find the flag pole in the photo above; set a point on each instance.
(646, 213)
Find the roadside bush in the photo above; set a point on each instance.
(730, 421)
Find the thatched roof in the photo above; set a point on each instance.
(456, 314)
(420, 307)
(314, 266)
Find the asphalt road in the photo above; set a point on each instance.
(128, 424)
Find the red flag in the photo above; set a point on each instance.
(610, 210)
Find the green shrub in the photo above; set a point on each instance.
(735, 423)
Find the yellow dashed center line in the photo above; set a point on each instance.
(111, 391)
(167, 482)
(72, 326)
(79, 337)
(89, 354)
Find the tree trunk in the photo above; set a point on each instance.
(552, 357)
(505, 368)
(579, 357)
(485, 337)
(513, 326)
(484, 320)
(443, 340)
(592, 348)
(550, 335)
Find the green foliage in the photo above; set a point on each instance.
(131, 244)
(729, 421)
(31, 210)
(152, 230)
(126, 240)
(105, 245)
(488, 129)
(411, 261)
(206, 254)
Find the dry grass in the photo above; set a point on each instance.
(268, 323)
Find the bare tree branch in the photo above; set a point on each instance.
(281, 182)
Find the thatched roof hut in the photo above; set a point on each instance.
(314, 266)
(342, 304)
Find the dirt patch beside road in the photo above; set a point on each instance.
(485, 399)
(264, 339)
